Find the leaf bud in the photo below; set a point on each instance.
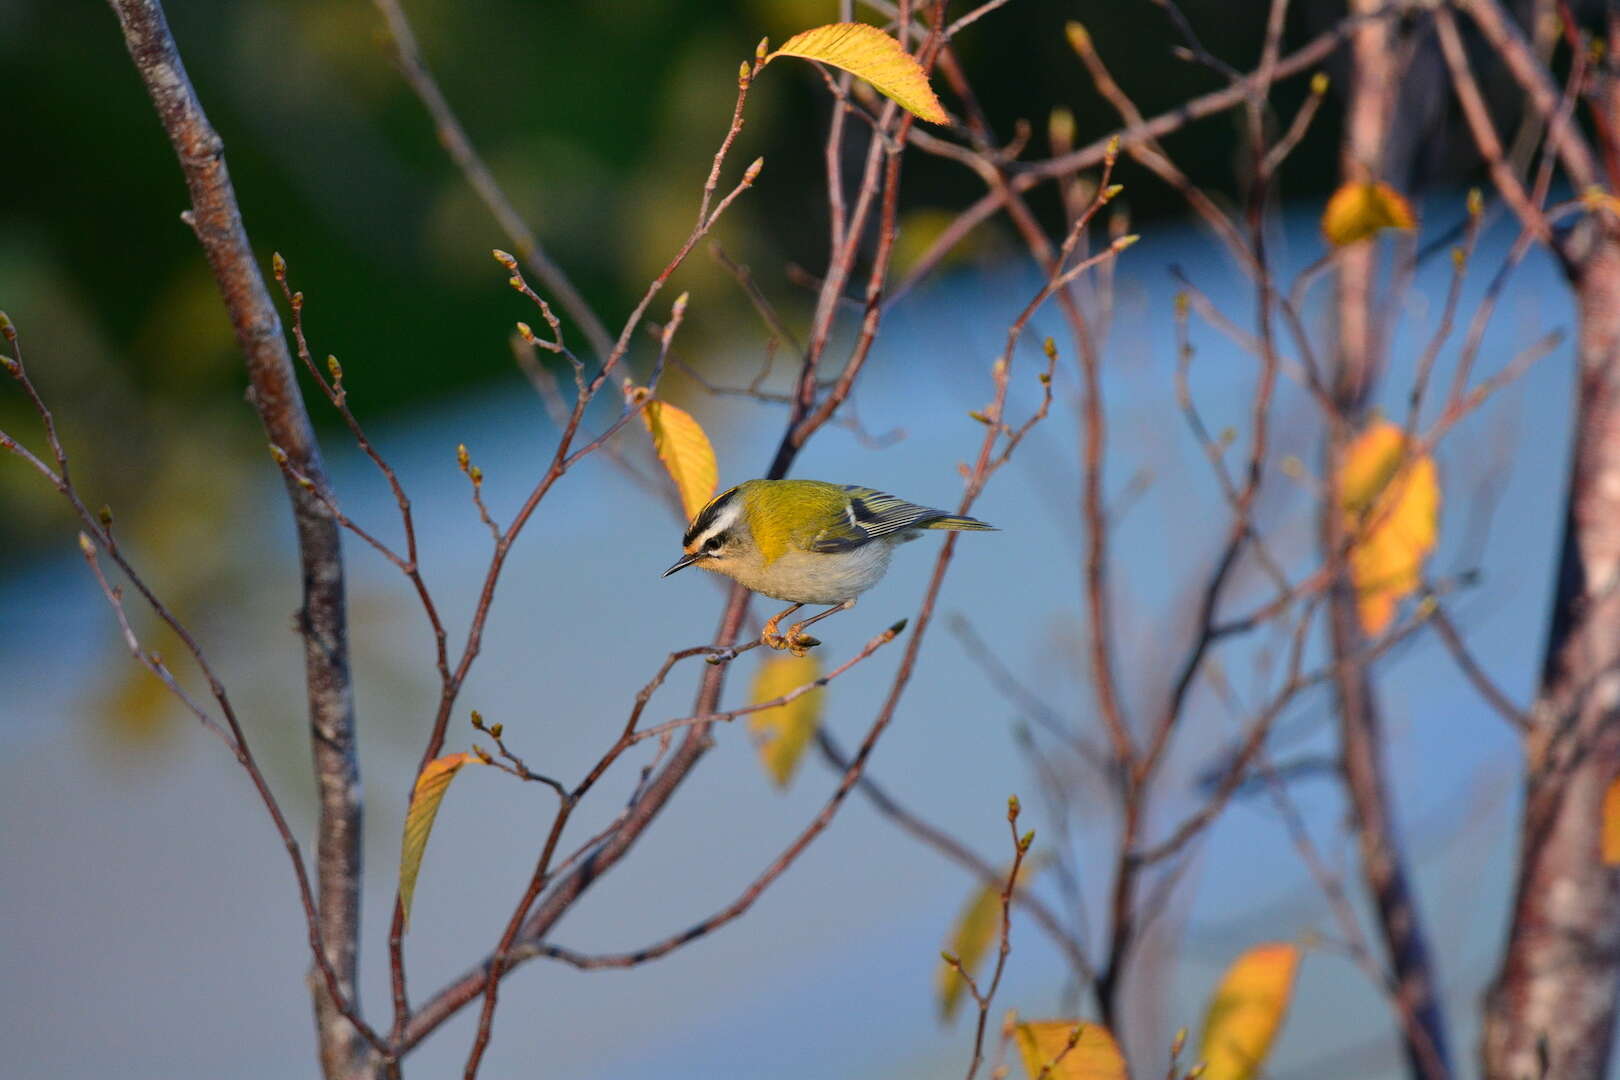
(1060, 128)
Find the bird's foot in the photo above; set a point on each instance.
(798, 642)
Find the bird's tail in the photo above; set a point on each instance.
(950, 521)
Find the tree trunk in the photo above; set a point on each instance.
(1551, 1010)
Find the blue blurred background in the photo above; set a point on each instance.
(152, 928)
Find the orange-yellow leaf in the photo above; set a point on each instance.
(1611, 824)
(1247, 1010)
(1052, 1050)
(868, 53)
(431, 785)
(784, 731)
(976, 928)
(680, 443)
(1361, 208)
(1391, 505)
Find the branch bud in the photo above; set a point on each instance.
(1111, 154)
(1110, 191)
(334, 369)
(505, 259)
(496, 729)
(1476, 202)
(86, 545)
(677, 310)
(105, 516)
(1319, 83)
(1178, 1042)
(482, 755)
(1079, 37)
(752, 172)
(1060, 129)
(1125, 241)
(762, 50)
(278, 266)
(476, 475)
(898, 628)
(461, 456)
(477, 720)
(1026, 840)
(277, 454)
(745, 72)
(525, 332)
(297, 301)
(950, 958)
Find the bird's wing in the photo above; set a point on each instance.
(868, 516)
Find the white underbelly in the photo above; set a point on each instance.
(802, 577)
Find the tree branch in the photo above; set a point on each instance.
(273, 391)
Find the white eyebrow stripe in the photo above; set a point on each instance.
(725, 519)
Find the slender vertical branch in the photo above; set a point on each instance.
(274, 393)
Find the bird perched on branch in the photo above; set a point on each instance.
(806, 542)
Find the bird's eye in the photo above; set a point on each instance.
(713, 544)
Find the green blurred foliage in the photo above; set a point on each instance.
(600, 119)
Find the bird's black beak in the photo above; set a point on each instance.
(681, 564)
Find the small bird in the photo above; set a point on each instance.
(806, 542)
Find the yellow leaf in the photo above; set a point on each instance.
(1246, 1011)
(1392, 514)
(784, 731)
(870, 54)
(431, 785)
(681, 445)
(1051, 1051)
(977, 926)
(1361, 208)
(1611, 824)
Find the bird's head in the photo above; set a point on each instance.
(718, 535)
